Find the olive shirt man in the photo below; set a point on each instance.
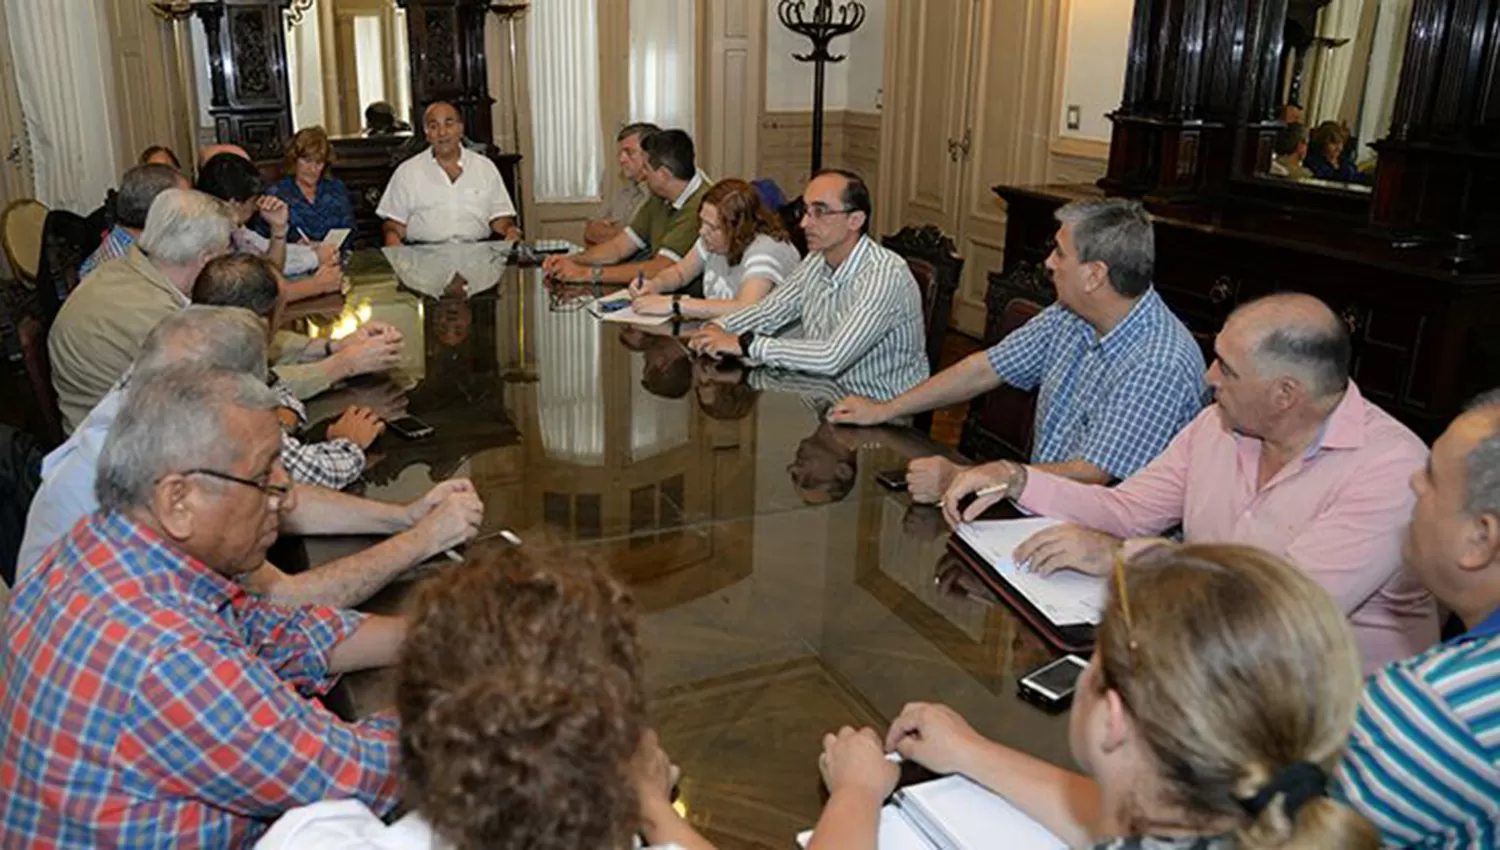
(101, 327)
(669, 228)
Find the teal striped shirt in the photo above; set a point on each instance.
(1423, 763)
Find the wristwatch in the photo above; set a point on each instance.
(677, 305)
(745, 339)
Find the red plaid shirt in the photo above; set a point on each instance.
(150, 702)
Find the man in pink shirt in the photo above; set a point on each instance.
(1290, 458)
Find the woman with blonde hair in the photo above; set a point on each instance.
(743, 252)
(1222, 689)
(318, 201)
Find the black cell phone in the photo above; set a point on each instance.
(1051, 686)
(409, 427)
(892, 479)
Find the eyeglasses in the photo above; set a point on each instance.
(275, 491)
(1130, 641)
(820, 211)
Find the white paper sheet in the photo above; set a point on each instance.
(968, 816)
(628, 316)
(1065, 597)
(896, 833)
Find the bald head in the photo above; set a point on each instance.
(441, 110)
(211, 151)
(1298, 336)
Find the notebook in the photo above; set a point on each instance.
(1065, 598)
(954, 813)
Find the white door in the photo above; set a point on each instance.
(729, 90)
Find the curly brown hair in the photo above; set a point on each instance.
(310, 142)
(520, 701)
(743, 216)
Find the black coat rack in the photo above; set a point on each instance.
(824, 27)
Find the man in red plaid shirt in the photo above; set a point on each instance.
(148, 700)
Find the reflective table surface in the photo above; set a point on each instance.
(782, 591)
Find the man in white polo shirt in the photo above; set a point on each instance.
(447, 193)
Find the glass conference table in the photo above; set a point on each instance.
(782, 591)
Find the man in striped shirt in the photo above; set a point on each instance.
(1423, 763)
(859, 308)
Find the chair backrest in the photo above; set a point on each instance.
(931, 253)
(21, 227)
(67, 240)
(1001, 422)
(791, 219)
(33, 337)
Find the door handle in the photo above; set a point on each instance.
(963, 145)
(952, 150)
(13, 156)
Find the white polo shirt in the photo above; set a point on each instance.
(436, 209)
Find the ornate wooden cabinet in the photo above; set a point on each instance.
(1410, 260)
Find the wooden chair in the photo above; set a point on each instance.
(1001, 422)
(21, 227)
(938, 268)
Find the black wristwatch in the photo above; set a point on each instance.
(677, 304)
(745, 339)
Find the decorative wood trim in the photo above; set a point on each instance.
(1080, 148)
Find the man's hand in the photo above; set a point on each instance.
(1071, 547)
(927, 478)
(934, 736)
(359, 425)
(275, 212)
(853, 762)
(652, 305)
(436, 496)
(565, 268)
(372, 329)
(858, 410)
(371, 354)
(1010, 476)
(640, 287)
(327, 279)
(455, 520)
(713, 341)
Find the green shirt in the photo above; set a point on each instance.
(669, 228)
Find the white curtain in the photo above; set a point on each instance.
(369, 60)
(59, 60)
(304, 65)
(663, 63)
(1339, 20)
(563, 65)
(1386, 56)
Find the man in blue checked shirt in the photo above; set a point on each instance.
(1118, 374)
(1423, 763)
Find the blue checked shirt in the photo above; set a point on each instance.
(1423, 763)
(116, 244)
(1114, 401)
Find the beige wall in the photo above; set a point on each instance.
(850, 140)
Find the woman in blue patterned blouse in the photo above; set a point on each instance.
(318, 201)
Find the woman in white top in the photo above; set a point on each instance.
(522, 719)
(743, 252)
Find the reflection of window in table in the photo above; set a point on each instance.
(570, 393)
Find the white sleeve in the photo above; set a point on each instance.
(769, 259)
(701, 251)
(395, 204)
(500, 203)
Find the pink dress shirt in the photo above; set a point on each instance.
(1339, 512)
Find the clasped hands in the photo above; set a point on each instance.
(932, 735)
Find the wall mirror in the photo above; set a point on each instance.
(342, 57)
(1335, 88)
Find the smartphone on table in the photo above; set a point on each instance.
(1051, 686)
(409, 427)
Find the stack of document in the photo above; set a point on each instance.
(626, 314)
(953, 813)
(1066, 598)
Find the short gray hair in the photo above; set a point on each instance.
(1482, 469)
(172, 421)
(1118, 234)
(183, 224)
(139, 188)
(639, 129)
(229, 338)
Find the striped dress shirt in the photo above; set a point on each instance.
(861, 322)
(1423, 763)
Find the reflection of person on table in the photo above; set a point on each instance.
(1218, 701)
(430, 269)
(825, 466)
(523, 721)
(446, 193)
(664, 228)
(742, 253)
(859, 307)
(722, 389)
(668, 368)
(1118, 373)
(1291, 457)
